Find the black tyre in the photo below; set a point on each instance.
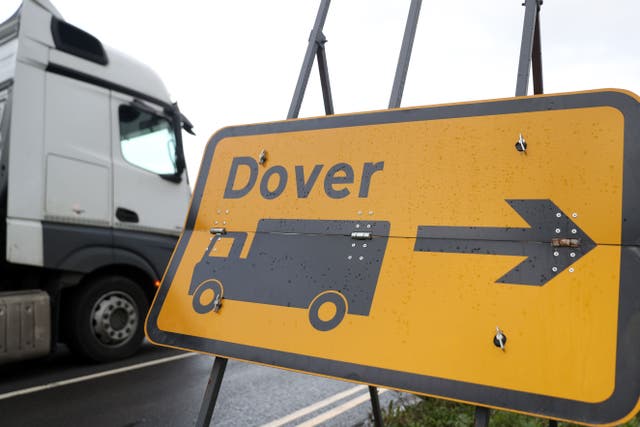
(332, 298)
(106, 319)
(212, 291)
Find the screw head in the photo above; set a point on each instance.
(521, 144)
(499, 339)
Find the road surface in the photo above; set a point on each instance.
(161, 387)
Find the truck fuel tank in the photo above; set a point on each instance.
(25, 325)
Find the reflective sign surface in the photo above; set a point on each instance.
(484, 252)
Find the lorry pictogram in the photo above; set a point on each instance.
(295, 263)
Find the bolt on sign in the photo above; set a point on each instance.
(484, 252)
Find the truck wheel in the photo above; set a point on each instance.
(336, 307)
(213, 299)
(107, 319)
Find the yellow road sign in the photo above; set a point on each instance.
(483, 252)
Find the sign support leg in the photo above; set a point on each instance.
(482, 417)
(375, 406)
(316, 43)
(211, 392)
(536, 57)
(530, 50)
(324, 75)
(405, 54)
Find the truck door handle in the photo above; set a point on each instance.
(126, 215)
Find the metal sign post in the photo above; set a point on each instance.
(530, 50)
(315, 48)
(405, 54)
(211, 392)
(482, 415)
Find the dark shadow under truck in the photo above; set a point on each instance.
(296, 263)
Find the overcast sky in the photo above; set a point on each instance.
(237, 62)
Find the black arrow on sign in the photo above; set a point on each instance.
(552, 243)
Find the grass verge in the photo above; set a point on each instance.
(428, 412)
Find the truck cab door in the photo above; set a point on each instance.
(151, 193)
(77, 139)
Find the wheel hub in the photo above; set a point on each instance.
(114, 318)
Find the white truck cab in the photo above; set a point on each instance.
(93, 188)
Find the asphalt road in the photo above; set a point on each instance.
(161, 387)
